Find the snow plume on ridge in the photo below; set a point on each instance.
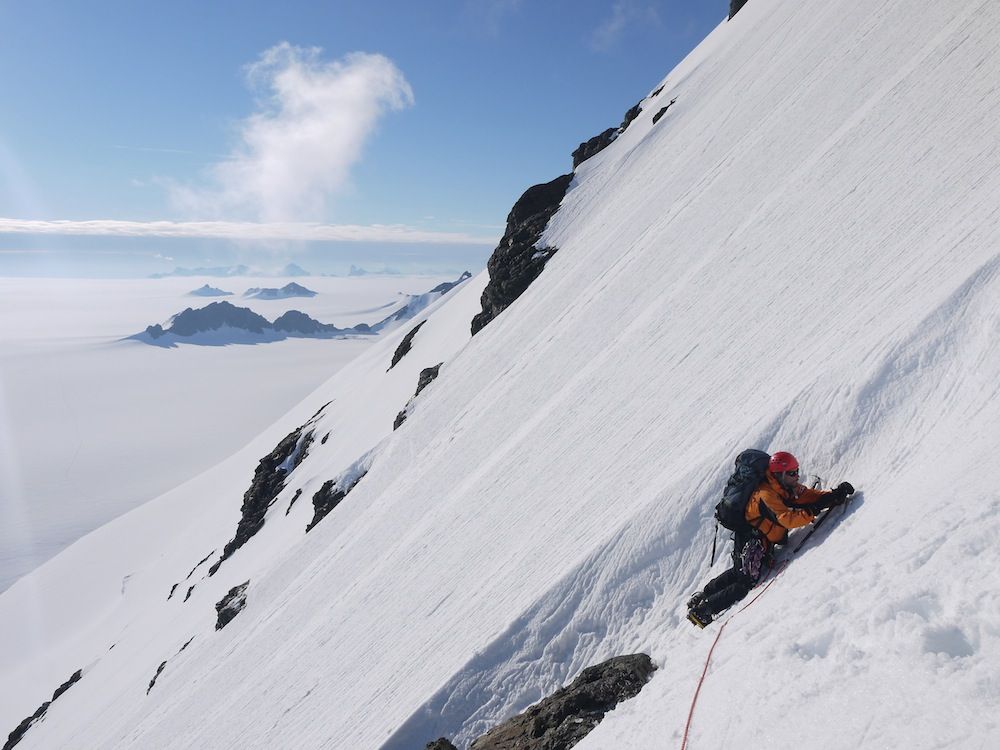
(313, 120)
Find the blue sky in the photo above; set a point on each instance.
(430, 117)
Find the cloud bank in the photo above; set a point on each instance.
(295, 153)
(243, 230)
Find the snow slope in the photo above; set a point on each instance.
(71, 383)
(800, 255)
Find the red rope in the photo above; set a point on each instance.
(708, 659)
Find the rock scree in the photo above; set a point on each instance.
(564, 718)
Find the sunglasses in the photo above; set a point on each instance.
(793, 473)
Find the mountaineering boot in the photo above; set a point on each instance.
(696, 600)
(700, 615)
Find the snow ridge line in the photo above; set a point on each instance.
(708, 659)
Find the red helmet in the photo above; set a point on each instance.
(782, 461)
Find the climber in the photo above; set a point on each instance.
(778, 504)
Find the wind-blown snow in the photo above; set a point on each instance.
(802, 255)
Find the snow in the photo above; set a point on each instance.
(800, 255)
(74, 456)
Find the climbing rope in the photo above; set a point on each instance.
(708, 659)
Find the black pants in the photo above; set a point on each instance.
(729, 587)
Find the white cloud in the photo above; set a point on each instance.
(624, 13)
(243, 230)
(295, 153)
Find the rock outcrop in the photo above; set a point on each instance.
(224, 315)
(209, 318)
(426, 377)
(222, 322)
(298, 322)
(209, 291)
(601, 141)
(517, 260)
(268, 481)
(663, 111)
(735, 6)
(594, 146)
(404, 346)
(568, 715)
(326, 499)
(441, 743)
(18, 734)
(288, 290)
(231, 605)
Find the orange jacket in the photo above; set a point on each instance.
(774, 510)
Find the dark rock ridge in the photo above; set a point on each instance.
(294, 321)
(158, 670)
(658, 115)
(219, 315)
(231, 605)
(329, 497)
(441, 743)
(268, 481)
(570, 714)
(288, 290)
(209, 318)
(594, 146)
(296, 496)
(426, 377)
(404, 346)
(163, 664)
(18, 734)
(209, 291)
(200, 563)
(601, 141)
(517, 261)
(735, 6)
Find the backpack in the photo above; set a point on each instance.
(751, 467)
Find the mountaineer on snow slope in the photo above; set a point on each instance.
(779, 503)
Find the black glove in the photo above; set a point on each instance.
(839, 495)
(846, 489)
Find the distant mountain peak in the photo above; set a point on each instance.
(288, 290)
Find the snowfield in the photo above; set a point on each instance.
(802, 254)
(71, 383)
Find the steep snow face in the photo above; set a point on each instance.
(800, 254)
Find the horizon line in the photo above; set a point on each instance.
(242, 230)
